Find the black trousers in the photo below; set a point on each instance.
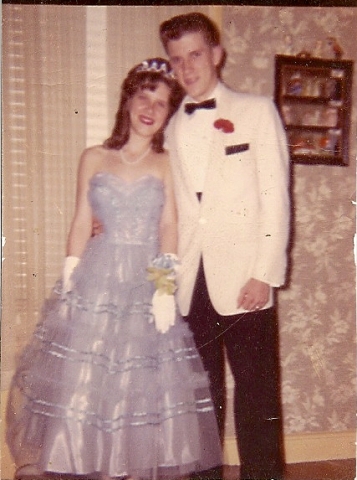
(252, 345)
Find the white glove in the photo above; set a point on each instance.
(163, 310)
(70, 264)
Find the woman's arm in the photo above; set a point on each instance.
(81, 227)
(163, 268)
(168, 222)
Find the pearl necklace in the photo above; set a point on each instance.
(133, 162)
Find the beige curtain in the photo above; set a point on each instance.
(43, 133)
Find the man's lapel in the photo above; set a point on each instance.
(219, 139)
(184, 182)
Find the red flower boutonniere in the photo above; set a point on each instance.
(225, 125)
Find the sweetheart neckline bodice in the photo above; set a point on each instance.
(140, 179)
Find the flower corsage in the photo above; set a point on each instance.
(162, 271)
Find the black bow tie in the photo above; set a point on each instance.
(208, 104)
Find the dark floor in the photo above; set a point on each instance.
(328, 470)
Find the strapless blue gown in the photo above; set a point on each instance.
(98, 389)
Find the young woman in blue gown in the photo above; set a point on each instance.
(111, 384)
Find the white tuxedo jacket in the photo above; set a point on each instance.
(241, 226)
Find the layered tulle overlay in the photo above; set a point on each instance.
(98, 389)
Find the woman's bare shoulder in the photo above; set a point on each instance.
(92, 157)
(95, 152)
(162, 159)
(162, 165)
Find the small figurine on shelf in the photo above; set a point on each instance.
(335, 48)
(317, 51)
(288, 119)
(294, 85)
(304, 54)
(324, 144)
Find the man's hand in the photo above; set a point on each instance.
(254, 295)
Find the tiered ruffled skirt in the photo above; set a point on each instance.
(98, 389)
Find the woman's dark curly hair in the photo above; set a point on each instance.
(146, 75)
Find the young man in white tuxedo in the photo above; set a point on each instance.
(230, 164)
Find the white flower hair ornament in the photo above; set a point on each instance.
(157, 65)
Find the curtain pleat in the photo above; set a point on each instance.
(44, 132)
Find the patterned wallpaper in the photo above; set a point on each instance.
(317, 307)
